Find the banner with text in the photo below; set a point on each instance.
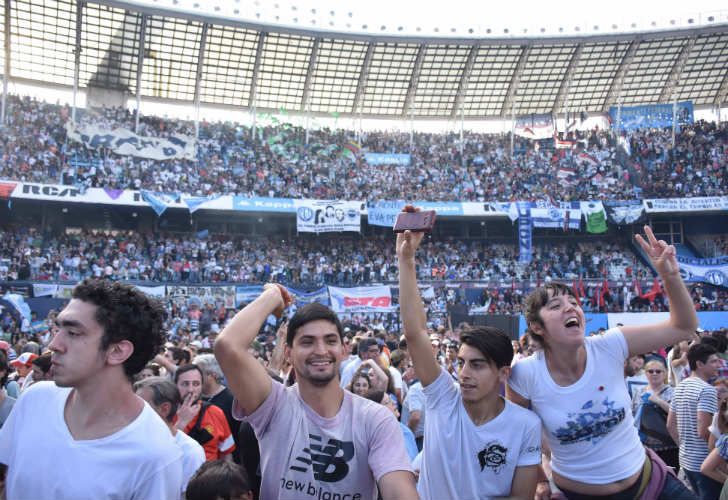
(328, 216)
(387, 159)
(125, 142)
(713, 271)
(651, 115)
(361, 299)
(565, 214)
(383, 213)
(702, 204)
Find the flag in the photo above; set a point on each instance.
(351, 150)
(575, 289)
(605, 289)
(596, 216)
(581, 287)
(566, 175)
(654, 291)
(637, 288)
(559, 144)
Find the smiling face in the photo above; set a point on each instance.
(562, 321)
(360, 386)
(316, 352)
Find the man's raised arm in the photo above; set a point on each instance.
(246, 377)
(412, 310)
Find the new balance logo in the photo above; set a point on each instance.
(329, 461)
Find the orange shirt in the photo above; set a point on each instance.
(215, 423)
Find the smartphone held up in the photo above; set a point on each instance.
(415, 221)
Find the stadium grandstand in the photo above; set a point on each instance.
(593, 130)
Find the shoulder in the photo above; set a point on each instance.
(43, 392)
(517, 413)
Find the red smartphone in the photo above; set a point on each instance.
(417, 222)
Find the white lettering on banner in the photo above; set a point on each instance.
(361, 299)
(326, 216)
(717, 203)
(476, 209)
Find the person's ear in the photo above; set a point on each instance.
(119, 352)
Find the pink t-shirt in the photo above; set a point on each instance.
(306, 456)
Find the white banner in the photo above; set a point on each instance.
(203, 295)
(713, 271)
(715, 203)
(361, 299)
(125, 142)
(545, 214)
(476, 209)
(43, 290)
(328, 216)
(64, 291)
(154, 291)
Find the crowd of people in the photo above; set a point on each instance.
(276, 160)
(313, 407)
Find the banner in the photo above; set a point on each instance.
(383, 213)
(624, 212)
(158, 292)
(361, 299)
(567, 214)
(127, 143)
(525, 230)
(194, 203)
(247, 294)
(224, 295)
(44, 290)
(596, 218)
(280, 205)
(64, 291)
(712, 271)
(17, 301)
(651, 115)
(328, 216)
(159, 201)
(494, 209)
(704, 204)
(387, 159)
(535, 126)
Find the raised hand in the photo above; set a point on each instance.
(408, 242)
(285, 298)
(187, 411)
(662, 255)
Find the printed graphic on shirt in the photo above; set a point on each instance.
(329, 461)
(592, 425)
(493, 456)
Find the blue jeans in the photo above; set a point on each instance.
(674, 489)
(704, 487)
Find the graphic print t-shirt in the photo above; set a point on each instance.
(305, 456)
(589, 424)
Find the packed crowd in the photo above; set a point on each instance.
(277, 161)
(319, 409)
(28, 253)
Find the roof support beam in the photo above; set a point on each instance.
(77, 56)
(361, 86)
(6, 69)
(615, 89)
(510, 100)
(562, 96)
(253, 96)
(414, 80)
(668, 92)
(463, 85)
(309, 74)
(198, 76)
(140, 67)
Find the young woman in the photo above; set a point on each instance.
(360, 385)
(576, 385)
(678, 359)
(715, 464)
(650, 405)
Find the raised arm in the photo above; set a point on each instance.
(682, 321)
(247, 379)
(412, 310)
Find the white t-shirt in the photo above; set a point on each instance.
(348, 373)
(306, 456)
(465, 461)
(589, 424)
(415, 401)
(141, 461)
(193, 456)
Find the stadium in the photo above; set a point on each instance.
(200, 151)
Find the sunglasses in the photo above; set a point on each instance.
(653, 372)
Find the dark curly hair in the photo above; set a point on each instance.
(537, 299)
(126, 313)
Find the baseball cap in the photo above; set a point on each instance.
(25, 359)
(196, 343)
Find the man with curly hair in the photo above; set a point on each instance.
(96, 437)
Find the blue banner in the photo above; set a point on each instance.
(651, 115)
(383, 213)
(525, 230)
(159, 201)
(280, 205)
(712, 271)
(302, 298)
(247, 294)
(388, 159)
(444, 208)
(195, 202)
(564, 215)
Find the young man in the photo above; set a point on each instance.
(100, 440)
(691, 411)
(316, 440)
(203, 422)
(476, 444)
(164, 397)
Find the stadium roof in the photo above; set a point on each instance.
(221, 61)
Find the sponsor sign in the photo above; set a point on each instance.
(387, 159)
(361, 299)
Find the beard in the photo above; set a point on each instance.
(317, 378)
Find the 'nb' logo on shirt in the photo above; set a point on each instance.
(329, 461)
